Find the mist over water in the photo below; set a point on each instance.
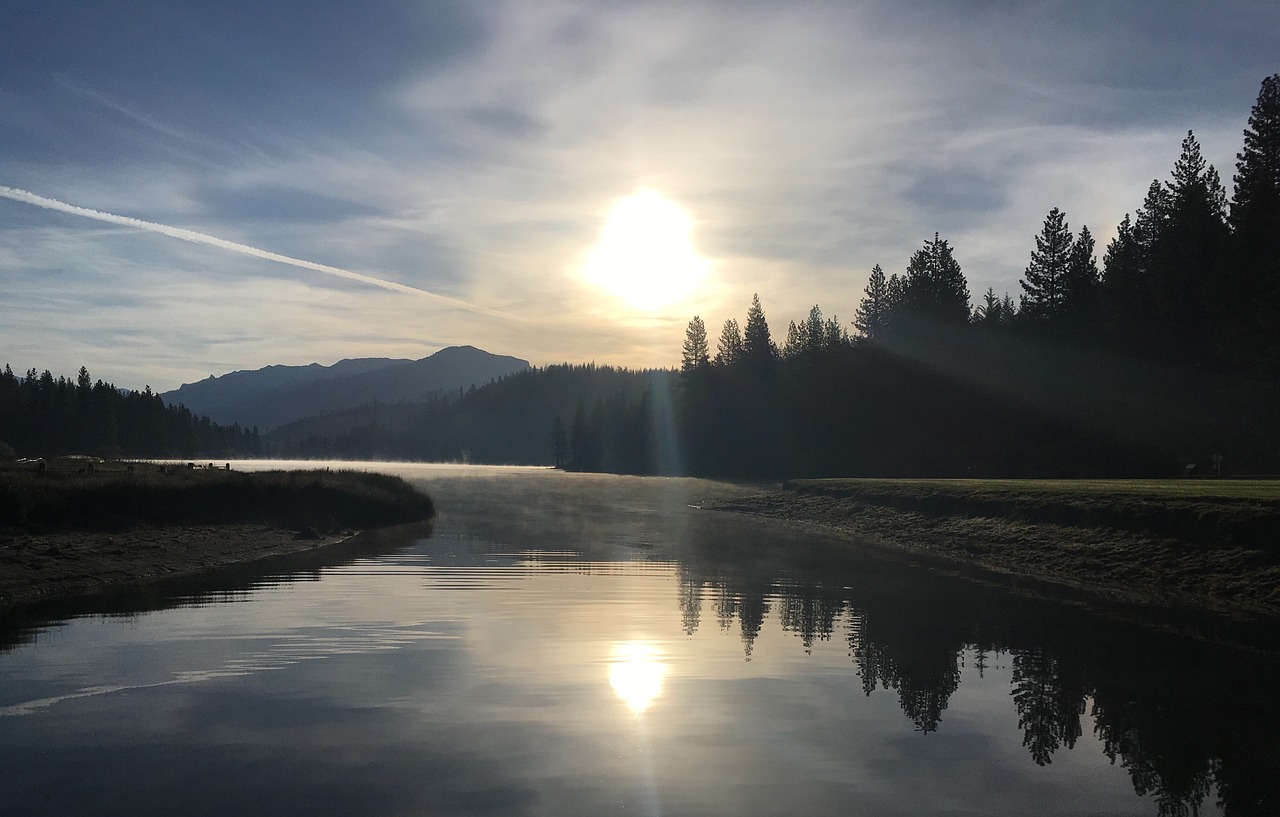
(565, 644)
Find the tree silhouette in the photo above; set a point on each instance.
(1044, 284)
(758, 349)
(935, 289)
(994, 312)
(1188, 255)
(872, 315)
(729, 349)
(1048, 713)
(695, 354)
(1254, 285)
(1081, 288)
(41, 415)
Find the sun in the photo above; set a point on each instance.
(645, 255)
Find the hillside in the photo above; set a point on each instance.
(277, 395)
(507, 421)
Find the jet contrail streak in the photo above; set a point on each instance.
(194, 237)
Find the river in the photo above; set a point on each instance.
(563, 644)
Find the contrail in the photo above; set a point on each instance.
(194, 237)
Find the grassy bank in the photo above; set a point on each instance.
(68, 531)
(1197, 543)
(121, 497)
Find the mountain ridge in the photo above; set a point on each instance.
(276, 395)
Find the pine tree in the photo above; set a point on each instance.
(1255, 245)
(1188, 256)
(895, 292)
(934, 288)
(729, 349)
(1257, 178)
(813, 334)
(1080, 287)
(1008, 311)
(758, 348)
(989, 313)
(872, 315)
(1129, 310)
(696, 354)
(793, 345)
(1044, 283)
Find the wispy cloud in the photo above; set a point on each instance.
(194, 237)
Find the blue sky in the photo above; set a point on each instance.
(464, 156)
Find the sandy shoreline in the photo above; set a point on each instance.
(35, 567)
(1124, 565)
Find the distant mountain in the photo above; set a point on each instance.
(276, 395)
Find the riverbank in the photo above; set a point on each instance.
(73, 532)
(1211, 545)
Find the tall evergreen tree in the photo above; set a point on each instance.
(873, 312)
(1081, 285)
(696, 354)
(935, 288)
(1129, 285)
(1255, 220)
(1189, 255)
(729, 348)
(758, 348)
(1044, 284)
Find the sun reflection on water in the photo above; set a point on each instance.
(636, 673)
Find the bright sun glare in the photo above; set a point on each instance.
(636, 675)
(645, 254)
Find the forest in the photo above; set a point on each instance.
(41, 415)
(1163, 359)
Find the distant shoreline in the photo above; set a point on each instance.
(1191, 544)
(67, 532)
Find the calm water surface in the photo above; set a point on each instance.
(591, 645)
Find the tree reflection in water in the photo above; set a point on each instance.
(1186, 717)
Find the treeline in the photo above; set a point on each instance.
(41, 415)
(506, 421)
(1164, 358)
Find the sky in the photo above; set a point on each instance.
(193, 188)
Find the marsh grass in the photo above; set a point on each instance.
(119, 497)
(1206, 513)
(1196, 543)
